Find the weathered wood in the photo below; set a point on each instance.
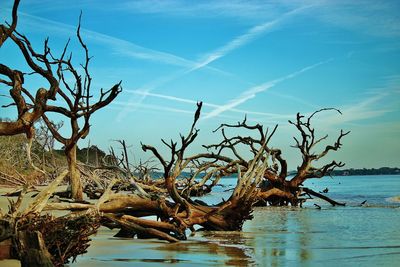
(74, 173)
(149, 223)
(5, 249)
(106, 195)
(151, 232)
(68, 206)
(331, 201)
(275, 192)
(41, 199)
(33, 252)
(5, 230)
(6, 233)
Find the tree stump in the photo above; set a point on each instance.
(33, 250)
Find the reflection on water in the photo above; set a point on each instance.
(217, 250)
(334, 236)
(205, 249)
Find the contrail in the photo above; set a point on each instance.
(244, 39)
(191, 101)
(253, 91)
(119, 46)
(239, 41)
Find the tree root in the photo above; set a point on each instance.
(64, 237)
(316, 194)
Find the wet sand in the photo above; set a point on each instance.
(199, 250)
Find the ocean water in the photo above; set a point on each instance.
(353, 235)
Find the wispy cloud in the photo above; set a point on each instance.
(144, 92)
(121, 105)
(253, 91)
(205, 104)
(378, 18)
(236, 43)
(295, 99)
(237, 9)
(246, 38)
(379, 102)
(363, 110)
(116, 45)
(137, 99)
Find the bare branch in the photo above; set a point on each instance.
(308, 141)
(6, 32)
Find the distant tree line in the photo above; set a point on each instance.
(364, 171)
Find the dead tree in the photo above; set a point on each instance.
(29, 103)
(45, 140)
(308, 142)
(228, 215)
(79, 107)
(30, 106)
(276, 188)
(177, 213)
(7, 30)
(122, 170)
(276, 171)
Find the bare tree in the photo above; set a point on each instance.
(7, 30)
(277, 188)
(261, 177)
(78, 98)
(308, 142)
(79, 108)
(44, 137)
(30, 107)
(228, 215)
(45, 140)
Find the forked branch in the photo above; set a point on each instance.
(306, 146)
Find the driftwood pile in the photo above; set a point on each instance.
(163, 208)
(41, 239)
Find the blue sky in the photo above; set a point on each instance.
(266, 59)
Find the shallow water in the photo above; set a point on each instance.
(354, 235)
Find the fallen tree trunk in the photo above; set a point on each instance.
(132, 225)
(313, 193)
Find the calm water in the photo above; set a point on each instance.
(333, 236)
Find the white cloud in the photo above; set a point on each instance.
(237, 9)
(125, 107)
(241, 40)
(205, 104)
(377, 18)
(237, 42)
(116, 45)
(380, 101)
(253, 91)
